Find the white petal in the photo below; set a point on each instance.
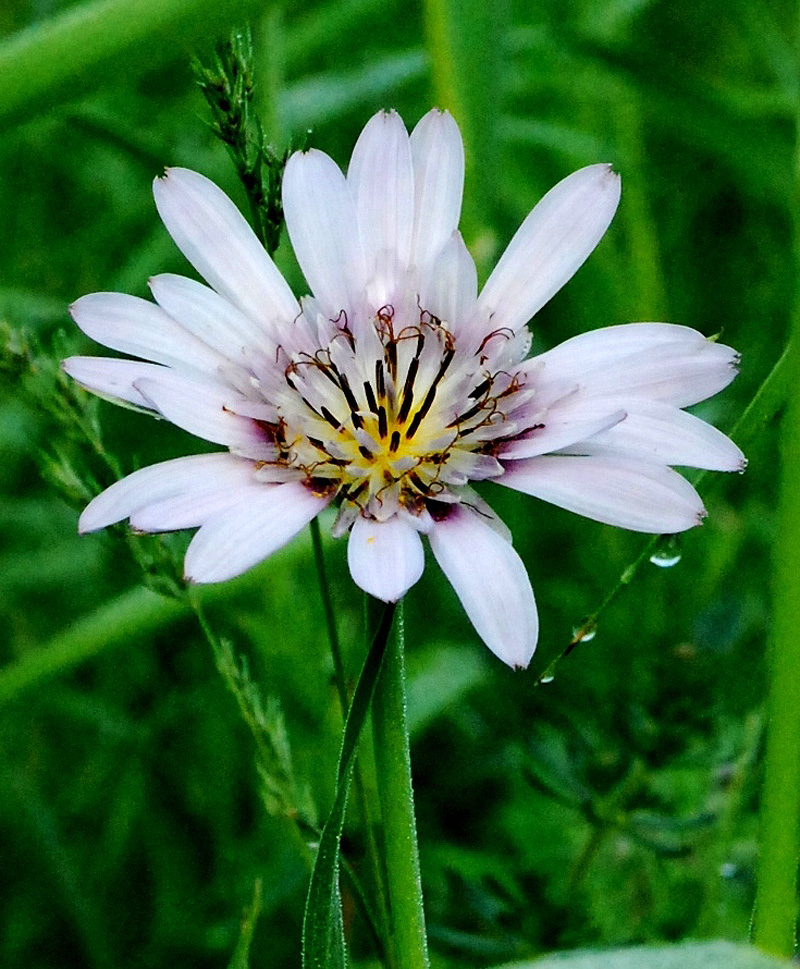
(381, 179)
(564, 425)
(617, 491)
(198, 406)
(322, 226)
(235, 540)
(491, 582)
(659, 361)
(181, 476)
(438, 184)
(216, 239)
(550, 246)
(191, 509)
(209, 316)
(142, 329)
(450, 287)
(385, 558)
(111, 378)
(662, 434)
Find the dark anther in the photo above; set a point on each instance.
(394, 444)
(481, 389)
(427, 403)
(370, 393)
(330, 418)
(391, 357)
(467, 415)
(350, 397)
(408, 390)
(383, 427)
(418, 483)
(380, 382)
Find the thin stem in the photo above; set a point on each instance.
(775, 920)
(776, 899)
(407, 941)
(766, 403)
(330, 617)
(364, 789)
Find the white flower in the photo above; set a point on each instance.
(396, 384)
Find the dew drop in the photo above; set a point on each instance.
(584, 634)
(667, 553)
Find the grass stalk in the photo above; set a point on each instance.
(407, 941)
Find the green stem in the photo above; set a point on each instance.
(407, 941)
(364, 789)
(330, 617)
(776, 899)
(775, 918)
(766, 403)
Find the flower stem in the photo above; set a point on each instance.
(407, 942)
(775, 917)
(362, 778)
(330, 617)
(776, 898)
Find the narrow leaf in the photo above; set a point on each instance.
(323, 936)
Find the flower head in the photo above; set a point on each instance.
(396, 384)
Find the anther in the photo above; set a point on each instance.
(408, 390)
(336, 425)
(371, 402)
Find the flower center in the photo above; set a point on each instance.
(395, 421)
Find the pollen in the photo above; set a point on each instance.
(396, 422)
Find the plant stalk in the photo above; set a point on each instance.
(407, 940)
(775, 917)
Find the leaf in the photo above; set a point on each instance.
(324, 98)
(241, 954)
(323, 934)
(90, 43)
(688, 955)
(437, 677)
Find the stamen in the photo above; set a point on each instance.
(383, 428)
(380, 382)
(350, 397)
(335, 424)
(481, 389)
(427, 403)
(391, 357)
(372, 403)
(467, 414)
(408, 390)
(394, 444)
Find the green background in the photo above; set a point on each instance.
(615, 805)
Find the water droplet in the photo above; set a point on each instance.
(728, 870)
(549, 674)
(584, 634)
(667, 553)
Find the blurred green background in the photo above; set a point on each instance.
(616, 804)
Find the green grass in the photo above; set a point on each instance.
(618, 804)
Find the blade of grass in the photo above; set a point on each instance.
(86, 46)
(766, 403)
(322, 940)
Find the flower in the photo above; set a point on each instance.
(396, 384)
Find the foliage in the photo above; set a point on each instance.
(143, 794)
